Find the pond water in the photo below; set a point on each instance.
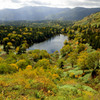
(51, 45)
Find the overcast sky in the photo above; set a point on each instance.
(50, 3)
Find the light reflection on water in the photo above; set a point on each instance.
(51, 45)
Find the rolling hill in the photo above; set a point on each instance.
(92, 19)
(46, 13)
(77, 13)
(28, 13)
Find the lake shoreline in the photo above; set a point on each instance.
(52, 44)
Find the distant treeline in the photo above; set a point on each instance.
(43, 23)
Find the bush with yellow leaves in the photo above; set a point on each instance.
(1, 60)
(43, 63)
(22, 64)
(14, 66)
(29, 67)
(7, 68)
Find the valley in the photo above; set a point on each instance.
(68, 69)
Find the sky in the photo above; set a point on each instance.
(15, 4)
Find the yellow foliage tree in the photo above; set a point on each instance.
(82, 60)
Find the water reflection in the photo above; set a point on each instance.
(51, 45)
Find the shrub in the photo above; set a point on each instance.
(22, 64)
(6, 68)
(1, 60)
(43, 63)
(34, 56)
(72, 75)
(29, 67)
(44, 54)
(60, 63)
(14, 66)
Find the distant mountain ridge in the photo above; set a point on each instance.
(77, 13)
(46, 13)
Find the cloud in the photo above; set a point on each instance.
(32, 2)
(83, 3)
(49, 3)
(39, 2)
(94, 1)
(8, 4)
(16, 1)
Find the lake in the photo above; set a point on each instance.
(51, 45)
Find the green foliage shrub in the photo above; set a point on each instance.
(6, 68)
(81, 47)
(11, 58)
(43, 63)
(44, 54)
(66, 50)
(22, 64)
(34, 56)
(85, 78)
(60, 63)
(38, 54)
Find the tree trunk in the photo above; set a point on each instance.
(94, 74)
(72, 65)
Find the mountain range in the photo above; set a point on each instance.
(46, 13)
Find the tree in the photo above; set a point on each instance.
(80, 47)
(65, 42)
(82, 60)
(24, 46)
(72, 58)
(93, 59)
(66, 50)
(60, 63)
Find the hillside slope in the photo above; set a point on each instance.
(93, 19)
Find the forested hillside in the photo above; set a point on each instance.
(71, 74)
(93, 19)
